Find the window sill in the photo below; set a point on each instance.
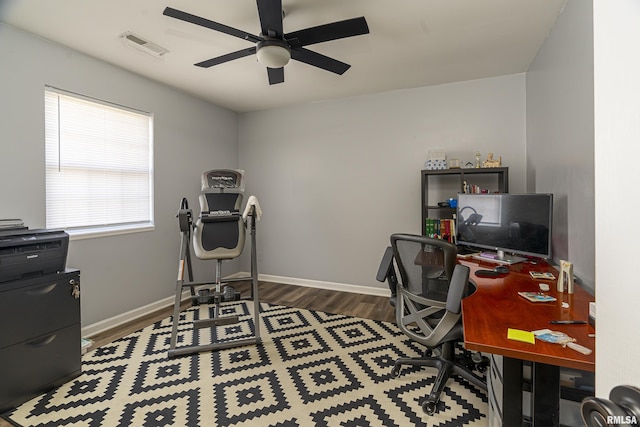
(93, 232)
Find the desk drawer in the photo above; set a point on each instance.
(495, 417)
(42, 305)
(495, 386)
(494, 375)
(32, 367)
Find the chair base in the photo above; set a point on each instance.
(447, 365)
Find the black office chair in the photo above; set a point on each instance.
(428, 307)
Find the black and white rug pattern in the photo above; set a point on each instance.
(312, 369)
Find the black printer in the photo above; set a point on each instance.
(27, 253)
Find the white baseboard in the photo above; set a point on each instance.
(333, 286)
(120, 319)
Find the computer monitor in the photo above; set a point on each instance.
(509, 224)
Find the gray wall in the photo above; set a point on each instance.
(336, 178)
(560, 135)
(118, 273)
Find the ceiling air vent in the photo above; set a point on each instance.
(144, 45)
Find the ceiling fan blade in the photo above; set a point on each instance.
(319, 60)
(336, 30)
(197, 20)
(226, 58)
(276, 75)
(270, 13)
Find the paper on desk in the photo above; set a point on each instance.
(520, 335)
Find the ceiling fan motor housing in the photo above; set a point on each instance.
(273, 53)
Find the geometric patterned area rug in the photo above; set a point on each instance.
(311, 369)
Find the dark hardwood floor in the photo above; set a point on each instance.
(358, 305)
(352, 304)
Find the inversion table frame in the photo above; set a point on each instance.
(185, 221)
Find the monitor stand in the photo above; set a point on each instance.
(499, 257)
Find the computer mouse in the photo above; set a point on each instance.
(486, 273)
(502, 269)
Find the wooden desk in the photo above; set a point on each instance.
(496, 306)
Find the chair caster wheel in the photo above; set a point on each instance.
(429, 407)
(477, 358)
(395, 371)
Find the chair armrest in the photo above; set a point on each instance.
(386, 265)
(386, 271)
(457, 288)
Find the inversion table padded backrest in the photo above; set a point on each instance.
(220, 231)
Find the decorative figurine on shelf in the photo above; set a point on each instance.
(491, 163)
(477, 159)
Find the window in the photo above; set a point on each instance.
(99, 166)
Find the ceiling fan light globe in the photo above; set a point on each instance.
(273, 56)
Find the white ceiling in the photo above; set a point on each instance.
(412, 43)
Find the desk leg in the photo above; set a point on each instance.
(512, 392)
(546, 395)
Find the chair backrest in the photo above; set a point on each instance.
(425, 264)
(219, 232)
(430, 288)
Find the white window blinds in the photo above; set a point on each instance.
(99, 165)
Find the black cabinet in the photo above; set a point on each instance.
(39, 335)
(441, 185)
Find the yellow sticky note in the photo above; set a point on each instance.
(519, 335)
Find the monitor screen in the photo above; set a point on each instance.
(507, 223)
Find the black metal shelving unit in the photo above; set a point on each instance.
(499, 178)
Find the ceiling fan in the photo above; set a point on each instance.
(273, 47)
